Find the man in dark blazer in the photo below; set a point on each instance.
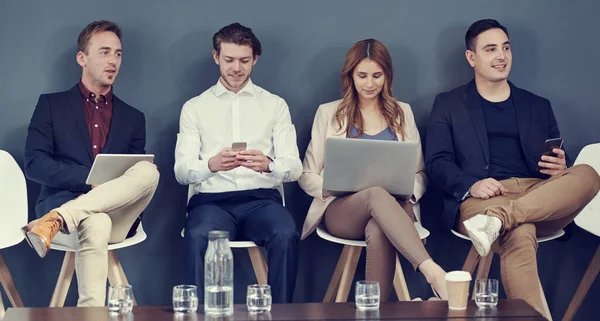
(484, 149)
(67, 130)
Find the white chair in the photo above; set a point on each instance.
(68, 244)
(341, 281)
(589, 220)
(13, 197)
(256, 256)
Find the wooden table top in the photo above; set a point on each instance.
(429, 310)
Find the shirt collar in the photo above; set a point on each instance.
(87, 94)
(248, 88)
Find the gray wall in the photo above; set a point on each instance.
(167, 61)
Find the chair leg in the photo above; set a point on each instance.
(1, 308)
(400, 283)
(258, 263)
(483, 270)
(584, 286)
(337, 275)
(546, 314)
(116, 275)
(64, 281)
(9, 285)
(471, 261)
(348, 273)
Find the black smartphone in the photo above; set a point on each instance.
(551, 144)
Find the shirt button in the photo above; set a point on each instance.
(96, 107)
(95, 146)
(87, 100)
(486, 167)
(455, 194)
(96, 125)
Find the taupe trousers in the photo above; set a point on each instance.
(386, 225)
(104, 215)
(532, 208)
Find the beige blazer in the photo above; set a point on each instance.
(311, 180)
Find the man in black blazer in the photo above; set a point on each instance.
(484, 149)
(67, 130)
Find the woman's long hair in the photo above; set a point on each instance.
(348, 109)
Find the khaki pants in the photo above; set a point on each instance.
(385, 224)
(532, 208)
(104, 215)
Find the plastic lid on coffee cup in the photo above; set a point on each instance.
(458, 276)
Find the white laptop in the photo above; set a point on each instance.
(352, 165)
(107, 167)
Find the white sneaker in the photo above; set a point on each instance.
(483, 231)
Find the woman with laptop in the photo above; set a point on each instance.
(368, 110)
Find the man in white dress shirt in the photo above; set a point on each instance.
(236, 190)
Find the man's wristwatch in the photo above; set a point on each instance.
(467, 195)
(271, 165)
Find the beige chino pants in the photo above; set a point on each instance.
(104, 215)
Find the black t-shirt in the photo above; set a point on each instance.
(506, 154)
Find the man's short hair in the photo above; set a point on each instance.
(479, 27)
(238, 34)
(95, 27)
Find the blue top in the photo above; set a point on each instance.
(386, 134)
(506, 155)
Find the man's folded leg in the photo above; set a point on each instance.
(559, 197)
(123, 199)
(131, 193)
(551, 204)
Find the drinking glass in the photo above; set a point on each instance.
(185, 299)
(367, 295)
(120, 298)
(486, 293)
(258, 298)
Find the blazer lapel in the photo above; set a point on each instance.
(76, 104)
(116, 124)
(523, 112)
(473, 103)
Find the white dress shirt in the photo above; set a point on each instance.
(219, 117)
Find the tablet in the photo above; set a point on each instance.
(107, 167)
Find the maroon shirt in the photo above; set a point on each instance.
(98, 114)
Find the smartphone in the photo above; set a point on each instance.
(238, 146)
(551, 144)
